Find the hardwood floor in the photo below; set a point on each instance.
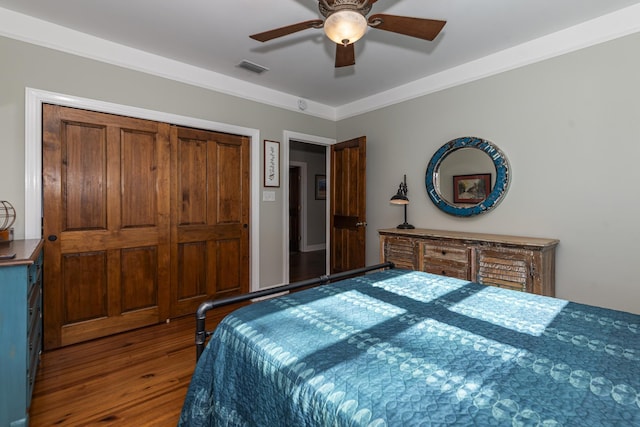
(136, 378)
(306, 265)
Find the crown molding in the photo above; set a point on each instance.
(602, 29)
(607, 27)
(42, 33)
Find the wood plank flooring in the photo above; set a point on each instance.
(136, 378)
(306, 265)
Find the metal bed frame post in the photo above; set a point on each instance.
(201, 313)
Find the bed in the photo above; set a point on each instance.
(401, 348)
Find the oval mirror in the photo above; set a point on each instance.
(467, 176)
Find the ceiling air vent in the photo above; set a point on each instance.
(252, 66)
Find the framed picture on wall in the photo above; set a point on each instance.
(321, 187)
(271, 163)
(471, 189)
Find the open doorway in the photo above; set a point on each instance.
(307, 210)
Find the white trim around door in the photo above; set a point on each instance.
(34, 98)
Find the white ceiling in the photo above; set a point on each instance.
(213, 35)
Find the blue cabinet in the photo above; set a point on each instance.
(20, 328)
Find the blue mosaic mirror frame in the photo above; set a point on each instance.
(500, 185)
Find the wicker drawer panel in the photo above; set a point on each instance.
(401, 252)
(506, 273)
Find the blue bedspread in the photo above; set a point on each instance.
(404, 348)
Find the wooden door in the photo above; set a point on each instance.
(210, 217)
(348, 205)
(294, 209)
(106, 224)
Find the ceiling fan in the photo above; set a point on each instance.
(345, 23)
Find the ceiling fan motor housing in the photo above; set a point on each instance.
(361, 6)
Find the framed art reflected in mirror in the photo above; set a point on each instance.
(471, 189)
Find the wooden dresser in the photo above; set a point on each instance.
(20, 328)
(520, 263)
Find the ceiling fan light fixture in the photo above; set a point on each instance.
(345, 26)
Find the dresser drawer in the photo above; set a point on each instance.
(461, 272)
(34, 274)
(34, 308)
(445, 253)
(35, 346)
(34, 337)
(445, 260)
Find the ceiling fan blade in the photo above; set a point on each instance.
(289, 29)
(427, 29)
(345, 55)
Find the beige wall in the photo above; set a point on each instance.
(570, 127)
(25, 65)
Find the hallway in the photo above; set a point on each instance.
(306, 265)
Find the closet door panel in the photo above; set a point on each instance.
(84, 173)
(139, 176)
(85, 286)
(192, 270)
(192, 182)
(228, 266)
(139, 278)
(106, 224)
(210, 231)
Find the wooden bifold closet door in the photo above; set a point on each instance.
(210, 231)
(119, 194)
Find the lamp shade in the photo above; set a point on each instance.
(400, 199)
(345, 26)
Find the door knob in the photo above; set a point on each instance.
(361, 224)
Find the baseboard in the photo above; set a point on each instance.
(313, 248)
